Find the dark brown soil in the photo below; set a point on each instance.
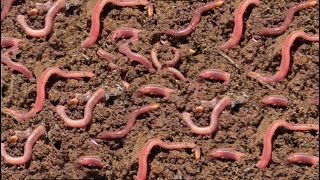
(241, 127)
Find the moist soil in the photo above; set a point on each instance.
(241, 127)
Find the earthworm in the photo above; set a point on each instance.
(7, 4)
(170, 63)
(95, 18)
(143, 157)
(24, 133)
(274, 100)
(80, 123)
(130, 122)
(226, 153)
(288, 19)
(34, 136)
(214, 118)
(285, 61)
(41, 83)
(107, 56)
(238, 24)
(90, 161)
(314, 101)
(176, 73)
(48, 25)
(16, 66)
(303, 158)
(267, 140)
(86, 96)
(214, 74)
(10, 42)
(45, 5)
(195, 19)
(124, 32)
(155, 89)
(210, 104)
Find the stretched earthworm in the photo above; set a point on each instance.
(226, 153)
(170, 63)
(16, 66)
(95, 18)
(130, 122)
(314, 101)
(13, 43)
(90, 161)
(195, 19)
(285, 61)
(41, 83)
(34, 136)
(214, 74)
(124, 32)
(48, 25)
(214, 118)
(303, 158)
(6, 8)
(143, 157)
(80, 123)
(155, 89)
(238, 24)
(267, 140)
(289, 17)
(274, 100)
(176, 73)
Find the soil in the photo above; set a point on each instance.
(240, 127)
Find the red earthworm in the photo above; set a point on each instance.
(155, 89)
(41, 83)
(275, 100)
(214, 74)
(95, 18)
(226, 153)
(107, 56)
(303, 158)
(6, 8)
(124, 32)
(34, 136)
(195, 19)
(16, 66)
(90, 161)
(238, 24)
(130, 122)
(314, 101)
(86, 96)
(267, 140)
(285, 61)
(176, 73)
(214, 118)
(170, 63)
(80, 123)
(48, 25)
(289, 17)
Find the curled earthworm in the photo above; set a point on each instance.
(55, 8)
(314, 101)
(176, 73)
(214, 118)
(275, 100)
(303, 158)
(16, 66)
(267, 140)
(214, 74)
(7, 4)
(34, 136)
(195, 19)
(285, 61)
(124, 32)
(170, 63)
(226, 153)
(80, 123)
(41, 83)
(238, 24)
(130, 122)
(143, 157)
(95, 18)
(155, 89)
(90, 161)
(289, 16)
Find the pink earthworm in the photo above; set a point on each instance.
(34, 136)
(16, 66)
(214, 118)
(24, 133)
(214, 74)
(170, 63)
(124, 32)
(10, 42)
(80, 123)
(285, 61)
(195, 19)
(95, 18)
(130, 122)
(107, 56)
(155, 89)
(55, 8)
(303, 158)
(275, 100)
(41, 83)
(143, 157)
(267, 140)
(90, 161)
(289, 17)
(7, 4)
(226, 153)
(176, 73)
(238, 24)
(314, 101)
